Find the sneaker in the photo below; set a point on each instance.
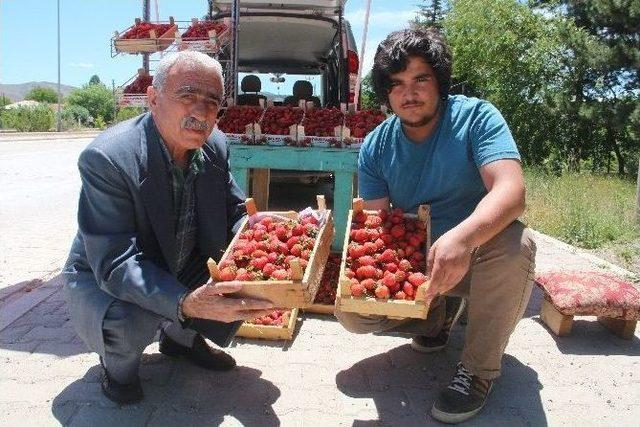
(463, 398)
(454, 306)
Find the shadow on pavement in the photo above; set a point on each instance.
(588, 337)
(176, 394)
(403, 385)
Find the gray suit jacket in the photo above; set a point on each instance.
(125, 247)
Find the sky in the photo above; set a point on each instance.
(28, 36)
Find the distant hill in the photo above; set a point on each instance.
(17, 92)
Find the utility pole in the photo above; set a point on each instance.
(146, 16)
(59, 127)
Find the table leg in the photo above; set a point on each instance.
(260, 188)
(241, 176)
(342, 198)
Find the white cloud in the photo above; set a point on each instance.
(80, 64)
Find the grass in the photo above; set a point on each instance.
(588, 211)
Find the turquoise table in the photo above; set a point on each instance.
(343, 163)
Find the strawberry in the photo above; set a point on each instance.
(227, 274)
(365, 272)
(382, 292)
(416, 279)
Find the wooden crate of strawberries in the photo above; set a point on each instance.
(146, 37)
(278, 256)
(325, 300)
(383, 269)
(279, 325)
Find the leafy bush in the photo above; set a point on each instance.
(42, 94)
(74, 116)
(126, 113)
(29, 119)
(96, 98)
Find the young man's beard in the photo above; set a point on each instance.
(425, 120)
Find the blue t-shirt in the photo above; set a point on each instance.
(443, 170)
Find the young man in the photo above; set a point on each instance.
(157, 201)
(457, 155)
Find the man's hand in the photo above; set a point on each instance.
(208, 302)
(448, 261)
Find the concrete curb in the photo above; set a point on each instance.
(586, 255)
(38, 136)
(14, 310)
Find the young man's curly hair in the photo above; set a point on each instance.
(393, 56)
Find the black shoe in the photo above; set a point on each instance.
(454, 306)
(462, 399)
(122, 394)
(199, 353)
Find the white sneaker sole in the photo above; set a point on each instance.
(453, 418)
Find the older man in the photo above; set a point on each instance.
(157, 200)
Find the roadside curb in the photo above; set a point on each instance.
(586, 255)
(15, 309)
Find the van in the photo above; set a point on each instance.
(305, 41)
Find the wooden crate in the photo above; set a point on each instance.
(155, 43)
(417, 308)
(320, 309)
(266, 332)
(300, 291)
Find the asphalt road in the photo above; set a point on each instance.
(39, 185)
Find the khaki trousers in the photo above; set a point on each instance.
(497, 288)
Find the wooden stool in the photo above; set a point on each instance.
(614, 301)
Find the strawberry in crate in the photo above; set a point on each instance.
(322, 121)
(265, 249)
(364, 121)
(139, 85)
(276, 318)
(329, 282)
(142, 30)
(386, 255)
(199, 30)
(236, 118)
(278, 120)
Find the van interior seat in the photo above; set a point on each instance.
(250, 85)
(302, 89)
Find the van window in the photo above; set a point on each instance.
(278, 91)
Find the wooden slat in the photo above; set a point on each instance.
(249, 330)
(260, 188)
(623, 328)
(320, 309)
(559, 323)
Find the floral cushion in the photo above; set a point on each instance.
(591, 293)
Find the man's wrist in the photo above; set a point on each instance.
(181, 317)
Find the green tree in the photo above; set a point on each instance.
(368, 97)
(97, 98)
(94, 80)
(432, 12)
(606, 77)
(507, 54)
(42, 94)
(4, 100)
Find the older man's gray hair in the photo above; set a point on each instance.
(191, 59)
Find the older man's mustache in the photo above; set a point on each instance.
(195, 124)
